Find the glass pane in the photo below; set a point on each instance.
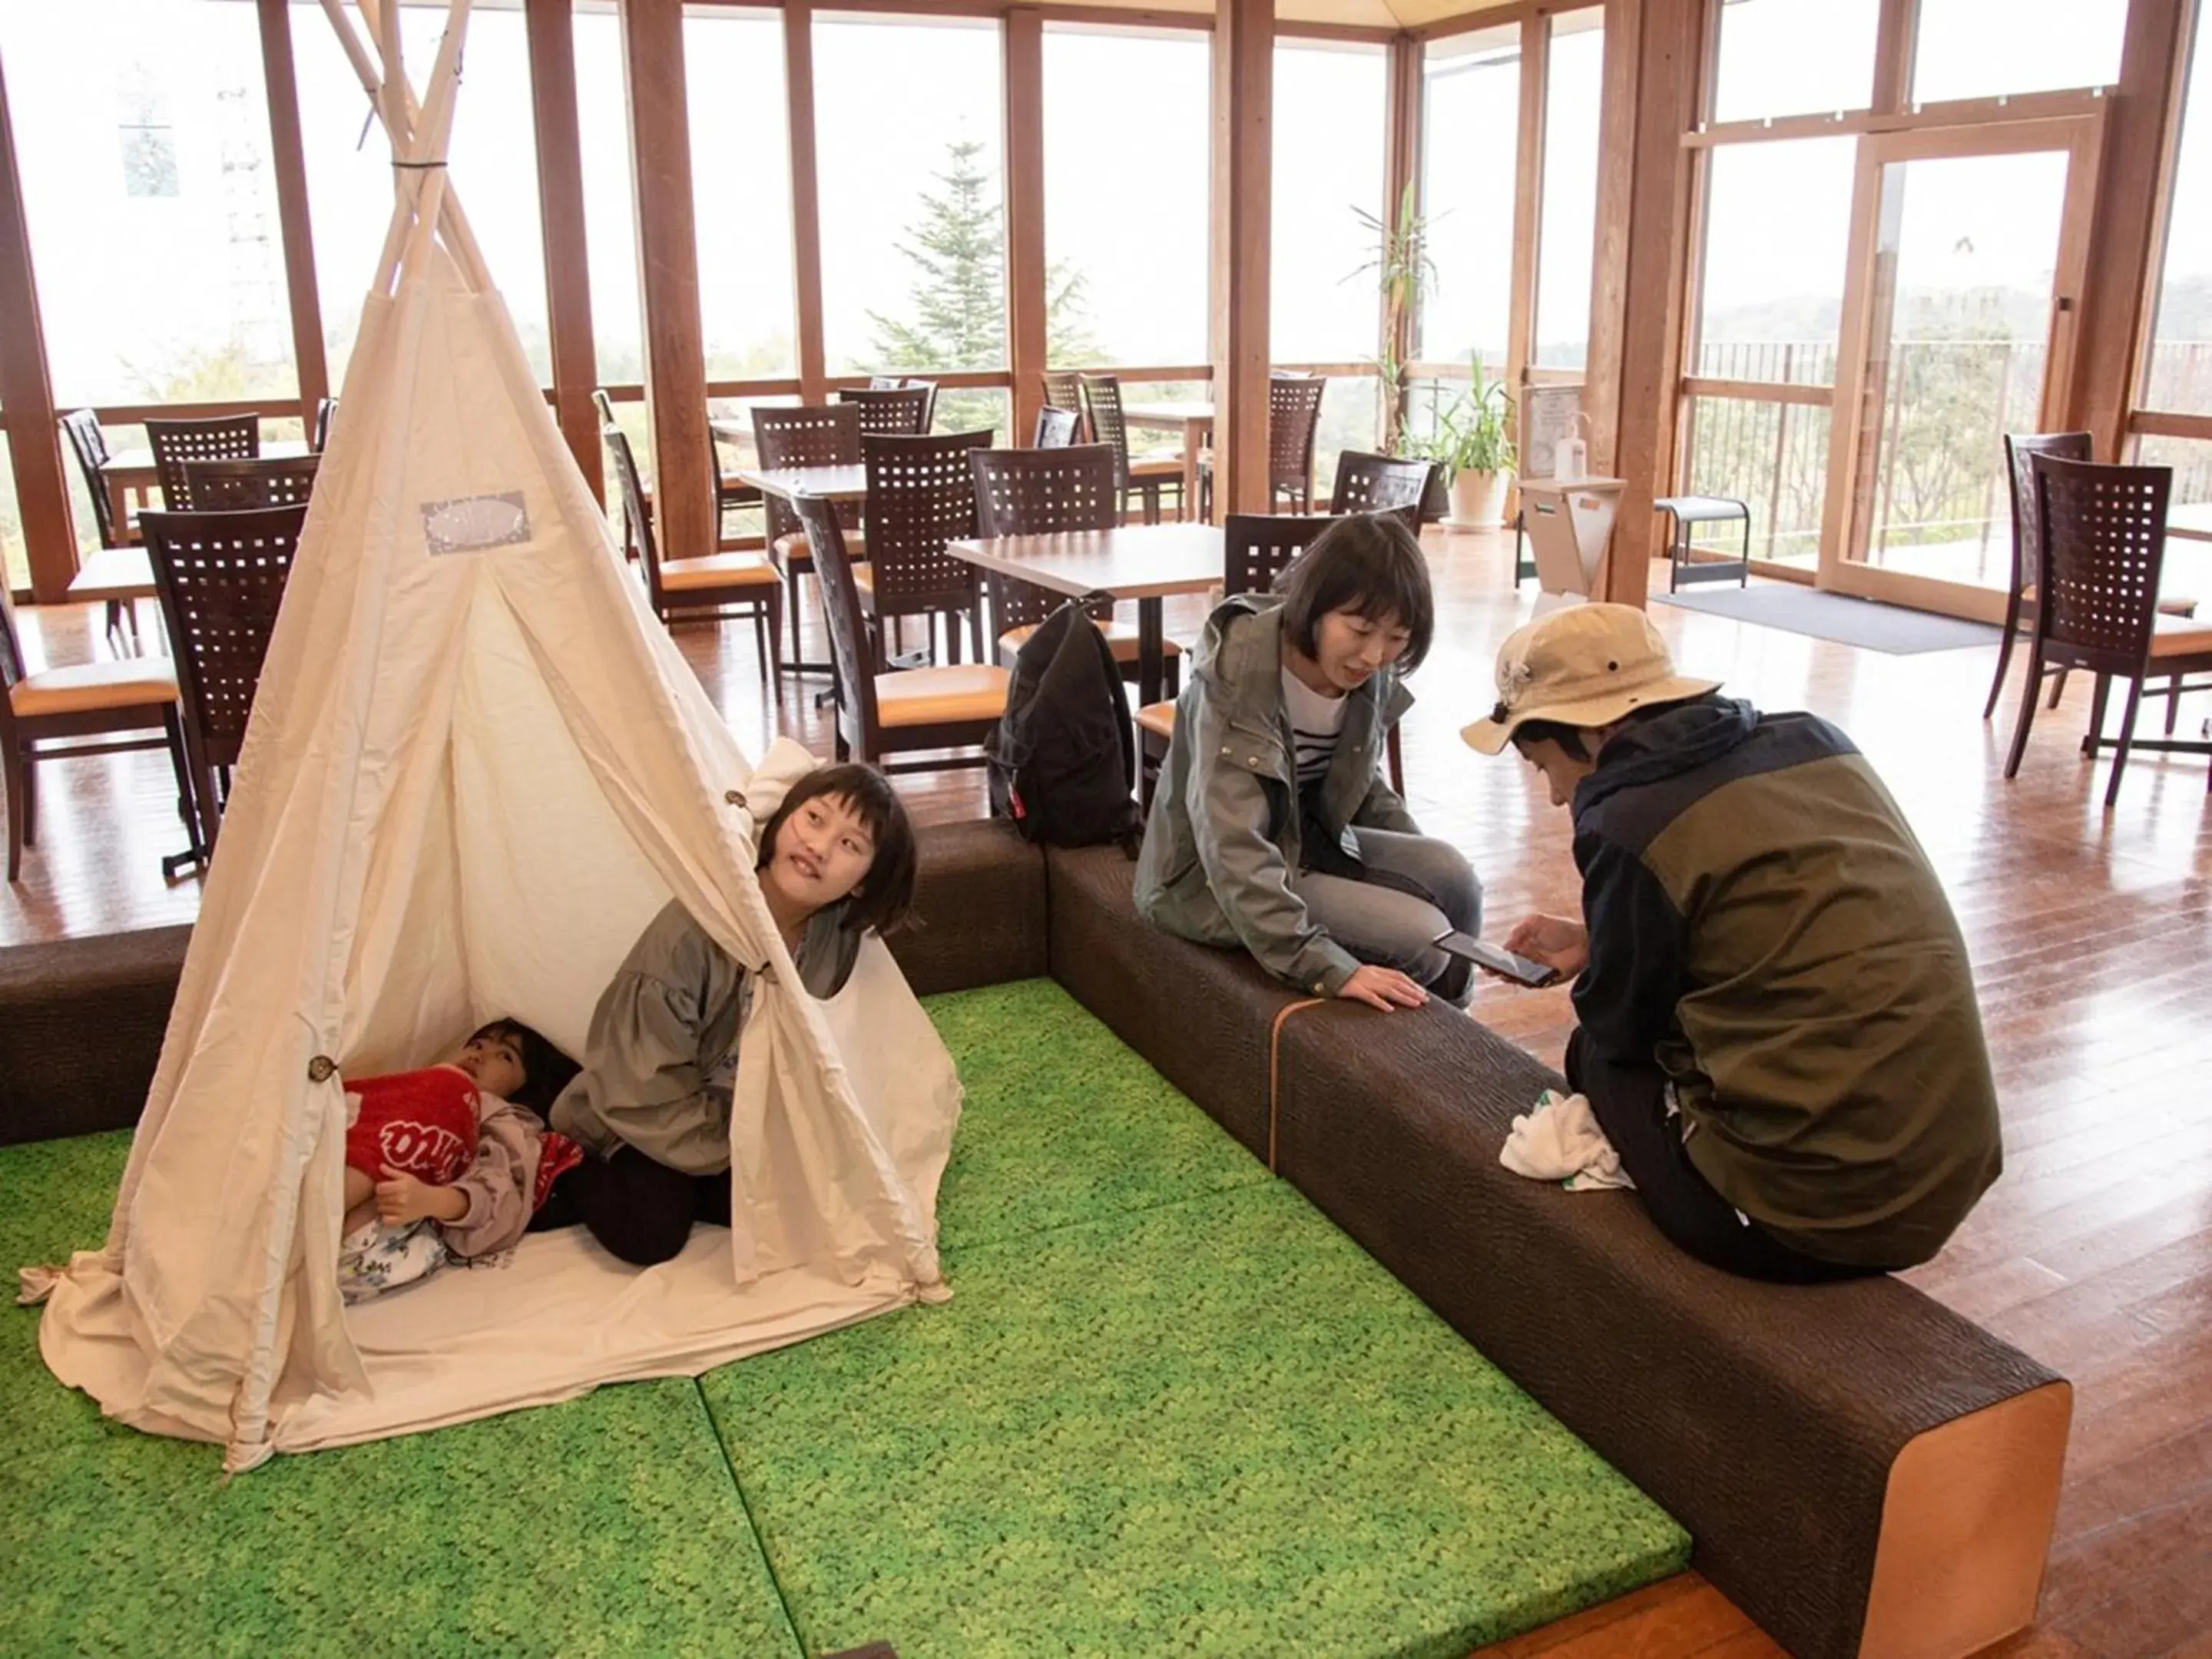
(1567, 242)
(1350, 419)
(1795, 57)
(493, 161)
(15, 562)
(1988, 48)
(1120, 294)
(1470, 138)
(610, 209)
(1774, 459)
(1330, 136)
(2179, 372)
(2189, 551)
(913, 242)
(1777, 235)
(1958, 340)
(141, 135)
(741, 191)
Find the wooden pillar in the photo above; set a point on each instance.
(1028, 322)
(1653, 65)
(1402, 174)
(806, 200)
(1243, 161)
(26, 392)
(684, 467)
(2122, 276)
(561, 210)
(289, 157)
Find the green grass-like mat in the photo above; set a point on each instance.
(1170, 1408)
(608, 1524)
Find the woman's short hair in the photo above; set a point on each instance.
(884, 897)
(1369, 564)
(545, 1070)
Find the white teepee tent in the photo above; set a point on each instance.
(477, 769)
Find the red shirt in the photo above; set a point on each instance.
(422, 1123)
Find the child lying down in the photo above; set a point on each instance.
(449, 1161)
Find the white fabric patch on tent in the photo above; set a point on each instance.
(478, 766)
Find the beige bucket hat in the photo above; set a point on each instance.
(1586, 665)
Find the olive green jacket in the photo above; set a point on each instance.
(1224, 842)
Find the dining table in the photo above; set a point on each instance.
(1193, 420)
(1145, 563)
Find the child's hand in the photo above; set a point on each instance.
(400, 1197)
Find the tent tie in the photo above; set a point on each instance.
(36, 1284)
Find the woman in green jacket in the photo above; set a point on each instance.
(1272, 828)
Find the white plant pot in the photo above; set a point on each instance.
(1478, 501)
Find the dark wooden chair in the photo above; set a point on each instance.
(1056, 427)
(318, 435)
(223, 438)
(1149, 477)
(1379, 483)
(2026, 545)
(242, 486)
(44, 716)
(1063, 389)
(808, 434)
(2101, 547)
(921, 494)
(880, 715)
(715, 586)
(221, 578)
(894, 411)
(1293, 423)
(1046, 492)
(88, 442)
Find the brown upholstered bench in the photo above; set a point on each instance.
(1861, 1471)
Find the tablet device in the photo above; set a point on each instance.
(1520, 970)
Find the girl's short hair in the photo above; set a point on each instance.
(884, 897)
(545, 1070)
(1369, 564)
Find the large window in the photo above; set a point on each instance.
(15, 562)
(1795, 57)
(1331, 132)
(741, 190)
(492, 162)
(1566, 242)
(141, 135)
(609, 206)
(1126, 197)
(1470, 139)
(1778, 235)
(1993, 48)
(906, 134)
(2178, 373)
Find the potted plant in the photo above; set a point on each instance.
(1471, 444)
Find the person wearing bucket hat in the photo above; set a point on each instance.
(1777, 1025)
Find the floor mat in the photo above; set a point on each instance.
(1063, 1123)
(1797, 609)
(606, 1524)
(1216, 1426)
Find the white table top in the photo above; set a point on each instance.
(1134, 562)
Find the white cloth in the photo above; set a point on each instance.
(1316, 722)
(476, 768)
(1558, 1139)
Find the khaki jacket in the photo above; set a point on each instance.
(1226, 838)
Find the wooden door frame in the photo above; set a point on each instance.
(2082, 138)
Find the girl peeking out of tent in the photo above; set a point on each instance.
(651, 1105)
(450, 1157)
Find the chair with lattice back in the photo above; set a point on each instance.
(1294, 422)
(319, 436)
(222, 437)
(921, 496)
(221, 577)
(1063, 389)
(882, 714)
(2101, 546)
(1379, 483)
(89, 444)
(242, 486)
(897, 411)
(807, 434)
(1148, 476)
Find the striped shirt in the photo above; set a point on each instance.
(1316, 721)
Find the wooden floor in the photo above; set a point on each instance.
(2092, 940)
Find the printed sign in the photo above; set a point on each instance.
(1548, 422)
(470, 523)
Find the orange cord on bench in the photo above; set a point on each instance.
(1275, 1067)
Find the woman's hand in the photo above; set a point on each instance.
(1382, 987)
(1555, 941)
(400, 1197)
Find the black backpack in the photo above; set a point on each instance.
(1063, 756)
